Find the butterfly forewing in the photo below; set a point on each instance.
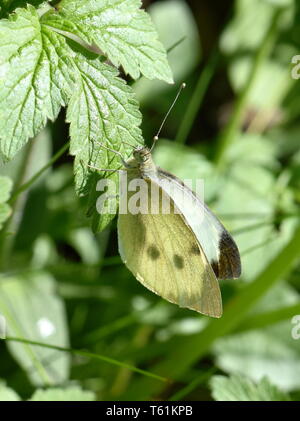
(217, 244)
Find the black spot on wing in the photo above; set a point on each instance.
(229, 264)
(178, 261)
(153, 252)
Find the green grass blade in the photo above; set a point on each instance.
(230, 132)
(197, 98)
(91, 355)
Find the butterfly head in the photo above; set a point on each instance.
(142, 154)
(141, 159)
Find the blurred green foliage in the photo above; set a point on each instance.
(65, 286)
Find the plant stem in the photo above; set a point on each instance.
(196, 100)
(28, 184)
(230, 133)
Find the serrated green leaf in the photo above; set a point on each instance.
(240, 388)
(43, 71)
(72, 393)
(34, 78)
(5, 189)
(123, 32)
(102, 110)
(33, 311)
(8, 6)
(100, 221)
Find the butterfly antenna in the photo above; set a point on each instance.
(155, 138)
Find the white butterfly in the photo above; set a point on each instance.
(178, 255)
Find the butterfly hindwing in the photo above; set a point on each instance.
(164, 255)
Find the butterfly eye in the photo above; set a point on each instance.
(141, 154)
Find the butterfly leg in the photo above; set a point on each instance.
(114, 151)
(100, 169)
